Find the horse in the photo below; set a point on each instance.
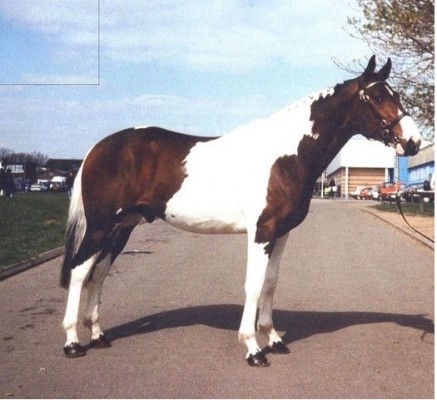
(258, 180)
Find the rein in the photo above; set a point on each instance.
(387, 133)
(398, 203)
(386, 128)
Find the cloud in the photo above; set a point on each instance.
(65, 32)
(216, 35)
(210, 66)
(68, 128)
(230, 36)
(65, 19)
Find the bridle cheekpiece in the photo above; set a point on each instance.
(385, 127)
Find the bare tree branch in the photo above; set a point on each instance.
(404, 31)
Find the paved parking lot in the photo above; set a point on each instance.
(355, 303)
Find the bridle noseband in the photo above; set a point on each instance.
(385, 127)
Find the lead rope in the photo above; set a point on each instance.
(398, 203)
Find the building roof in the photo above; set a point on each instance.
(362, 153)
(60, 164)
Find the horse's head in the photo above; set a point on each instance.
(383, 117)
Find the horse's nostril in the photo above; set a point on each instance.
(413, 147)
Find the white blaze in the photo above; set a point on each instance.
(409, 132)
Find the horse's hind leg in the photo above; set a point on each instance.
(115, 245)
(265, 320)
(91, 313)
(79, 275)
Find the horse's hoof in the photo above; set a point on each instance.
(102, 342)
(258, 360)
(74, 350)
(277, 348)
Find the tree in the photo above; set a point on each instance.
(17, 158)
(404, 31)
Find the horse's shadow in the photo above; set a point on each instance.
(296, 324)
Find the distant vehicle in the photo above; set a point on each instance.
(356, 194)
(366, 194)
(417, 193)
(38, 187)
(369, 193)
(375, 193)
(389, 190)
(411, 195)
(58, 184)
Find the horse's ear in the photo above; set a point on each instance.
(370, 67)
(384, 72)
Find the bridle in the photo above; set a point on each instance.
(385, 127)
(386, 130)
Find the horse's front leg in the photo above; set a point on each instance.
(265, 320)
(257, 260)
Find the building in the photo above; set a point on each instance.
(361, 162)
(62, 166)
(421, 166)
(58, 167)
(23, 173)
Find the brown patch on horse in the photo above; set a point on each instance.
(292, 178)
(131, 172)
(287, 203)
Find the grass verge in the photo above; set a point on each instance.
(30, 224)
(407, 208)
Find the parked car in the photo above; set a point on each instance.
(426, 195)
(411, 195)
(38, 187)
(356, 194)
(375, 192)
(58, 184)
(389, 190)
(366, 194)
(418, 192)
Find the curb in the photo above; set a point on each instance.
(15, 269)
(405, 230)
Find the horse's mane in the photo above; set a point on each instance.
(323, 103)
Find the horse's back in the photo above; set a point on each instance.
(135, 166)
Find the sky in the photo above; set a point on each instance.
(75, 71)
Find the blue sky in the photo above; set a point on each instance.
(197, 66)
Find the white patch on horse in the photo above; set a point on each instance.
(225, 189)
(409, 132)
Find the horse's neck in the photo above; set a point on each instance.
(330, 134)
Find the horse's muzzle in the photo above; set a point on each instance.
(413, 147)
(408, 147)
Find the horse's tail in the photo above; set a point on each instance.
(76, 228)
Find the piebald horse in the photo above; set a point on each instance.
(258, 180)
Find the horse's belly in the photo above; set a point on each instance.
(222, 191)
(201, 207)
(205, 218)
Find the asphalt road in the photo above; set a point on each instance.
(355, 303)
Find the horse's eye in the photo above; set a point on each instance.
(378, 99)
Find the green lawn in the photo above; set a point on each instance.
(30, 224)
(407, 208)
